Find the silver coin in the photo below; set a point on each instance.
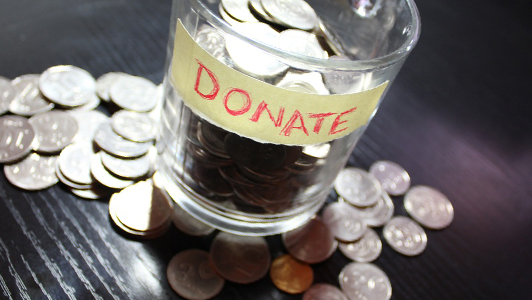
(155, 113)
(93, 103)
(95, 192)
(393, 178)
(308, 82)
(378, 214)
(344, 221)
(293, 13)
(429, 207)
(69, 183)
(16, 138)
(129, 168)
(134, 126)
(344, 82)
(111, 142)
(212, 41)
(28, 98)
(7, 95)
(358, 187)
(239, 10)
(227, 17)
(405, 236)
(256, 5)
(365, 281)
(301, 42)
(104, 177)
(191, 276)
(54, 130)
(188, 224)
(134, 93)
(367, 249)
(67, 85)
(88, 123)
(331, 38)
(324, 291)
(311, 243)
(33, 173)
(75, 163)
(104, 83)
(317, 151)
(240, 259)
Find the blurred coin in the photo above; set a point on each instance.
(308, 82)
(324, 291)
(227, 17)
(188, 224)
(290, 275)
(28, 98)
(344, 82)
(293, 13)
(96, 191)
(405, 236)
(344, 221)
(301, 42)
(111, 142)
(429, 207)
(7, 94)
(93, 103)
(311, 243)
(317, 151)
(88, 123)
(75, 162)
(134, 93)
(134, 126)
(331, 38)
(16, 138)
(103, 176)
(104, 83)
(358, 187)
(240, 259)
(393, 178)
(239, 10)
(212, 41)
(256, 5)
(69, 183)
(367, 249)
(378, 214)
(365, 281)
(33, 173)
(191, 276)
(255, 155)
(54, 130)
(129, 168)
(67, 85)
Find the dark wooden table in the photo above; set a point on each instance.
(458, 118)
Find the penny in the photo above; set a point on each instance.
(54, 130)
(188, 224)
(301, 42)
(365, 281)
(16, 138)
(311, 243)
(103, 176)
(255, 155)
(33, 173)
(7, 95)
(393, 178)
(191, 276)
(104, 83)
(324, 291)
(405, 236)
(240, 259)
(292, 13)
(137, 127)
(28, 98)
(378, 214)
(290, 275)
(75, 162)
(134, 93)
(68, 86)
(344, 221)
(358, 187)
(129, 168)
(111, 142)
(429, 207)
(239, 10)
(88, 123)
(367, 249)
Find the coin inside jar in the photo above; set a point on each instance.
(290, 275)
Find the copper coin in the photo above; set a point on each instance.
(255, 155)
(311, 243)
(290, 275)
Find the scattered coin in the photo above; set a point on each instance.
(103, 176)
(188, 224)
(33, 173)
(16, 138)
(344, 221)
(28, 98)
(91, 104)
(311, 243)
(104, 83)
(69, 183)
(7, 94)
(324, 291)
(134, 126)
(358, 187)
(292, 13)
(88, 123)
(365, 281)
(129, 168)
(75, 163)
(429, 207)
(111, 142)
(367, 249)
(134, 93)
(96, 191)
(290, 275)
(405, 236)
(393, 178)
(54, 130)
(68, 86)
(378, 214)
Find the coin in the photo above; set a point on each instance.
(212, 41)
(28, 98)
(324, 291)
(7, 94)
(129, 168)
(292, 13)
(134, 93)
(378, 214)
(104, 83)
(240, 259)
(256, 6)
(69, 183)
(311, 243)
(111, 142)
(96, 191)
(405, 236)
(290, 275)
(227, 17)
(188, 224)
(91, 104)
(367, 249)
(301, 42)
(68, 86)
(134, 126)
(255, 155)
(16, 138)
(344, 221)
(54, 130)
(393, 178)
(88, 123)
(103, 176)
(344, 82)
(429, 207)
(365, 281)
(239, 10)
(191, 276)
(308, 82)
(75, 162)
(33, 173)
(358, 187)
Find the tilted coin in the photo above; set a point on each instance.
(240, 259)
(311, 243)
(393, 178)
(227, 17)
(130, 168)
(191, 276)
(93, 103)
(367, 249)
(7, 94)
(96, 191)
(358, 187)
(429, 207)
(188, 224)
(331, 38)
(103, 176)
(75, 162)
(290, 275)
(69, 183)
(405, 236)
(378, 214)
(256, 5)
(88, 123)
(54, 130)
(344, 221)
(104, 83)
(239, 10)
(33, 173)
(111, 142)
(67, 85)
(301, 42)
(365, 281)
(134, 126)
(292, 13)
(324, 291)
(16, 138)
(308, 82)
(28, 98)
(134, 93)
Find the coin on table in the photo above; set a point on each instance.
(429, 207)
(54, 130)
(367, 249)
(188, 224)
(134, 126)
(358, 187)
(378, 214)
(68, 86)
(103, 176)
(344, 221)
(405, 236)
(104, 83)
(28, 98)
(75, 162)
(311, 243)
(129, 168)
(69, 183)
(393, 178)
(191, 276)
(292, 13)
(240, 259)
(88, 123)
(16, 138)
(290, 275)
(96, 191)
(134, 93)
(301, 42)
(111, 142)
(365, 281)
(7, 95)
(93, 103)
(239, 10)
(34, 173)
(324, 291)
